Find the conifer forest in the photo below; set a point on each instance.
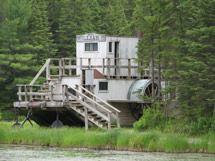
(178, 36)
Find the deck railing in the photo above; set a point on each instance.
(109, 67)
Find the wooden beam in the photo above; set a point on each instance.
(108, 68)
(86, 118)
(129, 68)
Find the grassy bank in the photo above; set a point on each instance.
(126, 139)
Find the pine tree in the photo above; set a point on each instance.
(15, 51)
(40, 35)
(74, 19)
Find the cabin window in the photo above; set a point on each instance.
(91, 46)
(103, 86)
(110, 47)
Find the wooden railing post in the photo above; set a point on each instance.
(51, 92)
(103, 66)
(86, 118)
(19, 91)
(60, 67)
(26, 96)
(63, 62)
(48, 71)
(109, 121)
(66, 93)
(108, 68)
(118, 120)
(76, 87)
(63, 92)
(31, 90)
(70, 69)
(129, 68)
(89, 63)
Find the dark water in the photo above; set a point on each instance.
(29, 153)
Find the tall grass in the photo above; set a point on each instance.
(105, 139)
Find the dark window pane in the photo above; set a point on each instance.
(91, 46)
(110, 46)
(103, 86)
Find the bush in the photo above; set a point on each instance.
(202, 126)
(8, 115)
(151, 119)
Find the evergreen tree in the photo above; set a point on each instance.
(15, 51)
(74, 19)
(40, 35)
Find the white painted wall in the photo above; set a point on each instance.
(127, 49)
(117, 89)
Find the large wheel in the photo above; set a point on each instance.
(137, 90)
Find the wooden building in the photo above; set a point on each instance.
(95, 88)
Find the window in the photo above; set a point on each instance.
(110, 47)
(91, 46)
(103, 86)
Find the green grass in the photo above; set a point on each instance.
(151, 140)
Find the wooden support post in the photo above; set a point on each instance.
(63, 62)
(129, 68)
(48, 71)
(108, 68)
(86, 118)
(117, 68)
(63, 92)
(66, 93)
(89, 63)
(19, 91)
(118, 120)
(109, 121)
(103, 66)
(26, 96)
(70, 69)
(51, 94)
(60, 67)
(31, 90)
(76, 87)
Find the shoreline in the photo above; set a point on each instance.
(104, 149)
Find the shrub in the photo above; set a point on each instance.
(152, 118)
(8, 115)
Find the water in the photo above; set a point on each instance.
(30, 153)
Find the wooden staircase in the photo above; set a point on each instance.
(91, 107)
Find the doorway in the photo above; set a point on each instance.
(116, 57)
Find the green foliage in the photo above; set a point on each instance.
(151, 119)
(8, 115)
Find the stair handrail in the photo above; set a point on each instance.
(110, 106)
(83, 95)
(40, 72)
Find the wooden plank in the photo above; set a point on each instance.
(89, 107)
(129, 68)
(109, 121)
(118, 120)
(26, 96)
(19, 91)
(70, 70)
(86, 118)
(40, 72)
(31, 90)
(108, 68)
